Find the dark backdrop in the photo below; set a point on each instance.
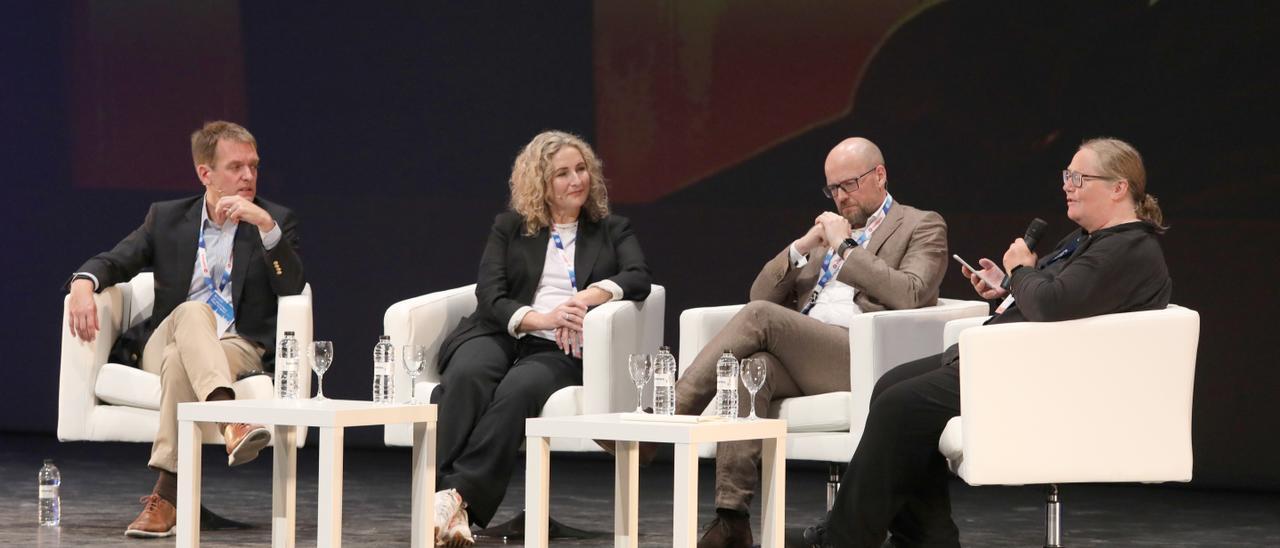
(391, 131)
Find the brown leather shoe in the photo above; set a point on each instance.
(648, 450)
(728, 530)
(158, 519)
(244, 441)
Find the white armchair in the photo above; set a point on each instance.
(100, 401)
(1102, 399)
(611, 331)
(827, 427)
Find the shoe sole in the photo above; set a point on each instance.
(249, 447)
(139, 533)
(456, 540)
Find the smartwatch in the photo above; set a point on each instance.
(847, 244)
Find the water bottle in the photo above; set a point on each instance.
(287, 367)
(664, 382)
(384, 362)
(727, 386)
(50, 507)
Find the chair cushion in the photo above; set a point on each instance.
(951, 444)
(128, 386)
(821, 413)
(132, 387)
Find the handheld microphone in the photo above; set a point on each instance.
(1032, 237)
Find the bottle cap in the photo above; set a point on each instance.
(288, 333)
(384, 337)
(48, 461)
(664, 348)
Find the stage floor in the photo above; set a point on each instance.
(101, 484)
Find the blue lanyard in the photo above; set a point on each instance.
(827, 273)
(203, 254)
(573, 276)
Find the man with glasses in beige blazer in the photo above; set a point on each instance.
(875, 254)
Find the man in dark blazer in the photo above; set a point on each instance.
(221, 261)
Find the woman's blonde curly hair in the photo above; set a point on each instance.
(531, 180)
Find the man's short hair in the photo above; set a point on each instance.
(204, 141)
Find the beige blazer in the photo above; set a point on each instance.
(901, 267)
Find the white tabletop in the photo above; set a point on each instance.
(309, 412)
(614, 427)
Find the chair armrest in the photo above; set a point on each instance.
(698, 326)
(81, 361)
(951, 333)
(293, 313)
(426, 320)
(1098, 399)
(611, 331)
(880, 341)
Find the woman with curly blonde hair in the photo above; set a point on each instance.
(556, 254)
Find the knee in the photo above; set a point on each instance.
(193, 310)
(760, 309)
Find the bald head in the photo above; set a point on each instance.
(855, 153)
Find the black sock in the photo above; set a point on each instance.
(728, 513)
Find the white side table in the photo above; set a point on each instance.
(332, 417)
(685, 436)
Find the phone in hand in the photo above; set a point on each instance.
(986, 277)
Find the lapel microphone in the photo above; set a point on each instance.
(1032, 237)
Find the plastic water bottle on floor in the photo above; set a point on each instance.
(727, 386)
(50, 507)
(664, 382)
(384, 362)
(287, 367)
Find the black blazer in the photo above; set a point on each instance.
(166, 242)
(512, 266)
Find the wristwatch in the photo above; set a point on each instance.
(847, 244)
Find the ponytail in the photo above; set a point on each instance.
(1148, 209)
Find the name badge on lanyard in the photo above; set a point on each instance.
(564, 257)
(216, 301)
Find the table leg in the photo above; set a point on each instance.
(537, 498)
(329, 513)
(773, 489)
(626, 495)
(189, 467)
(284, 485)
(423, 534)
(684, 528)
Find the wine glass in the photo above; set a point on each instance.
(753, 373)
(413, 355)
(321, 358)
(641, 369)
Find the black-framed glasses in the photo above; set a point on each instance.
(847, 185)
(1077, 179)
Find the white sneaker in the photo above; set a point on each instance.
(453, 528)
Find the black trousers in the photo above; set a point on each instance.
(897, 480)
(489, 387)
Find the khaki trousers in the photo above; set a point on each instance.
(185, 351)
(804, 357)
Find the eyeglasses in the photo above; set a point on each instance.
(848, 185)
(1077, 179)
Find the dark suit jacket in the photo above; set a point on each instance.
(166, 243)
(512, 266)
(900, 268)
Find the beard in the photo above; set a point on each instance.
(856, 216)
